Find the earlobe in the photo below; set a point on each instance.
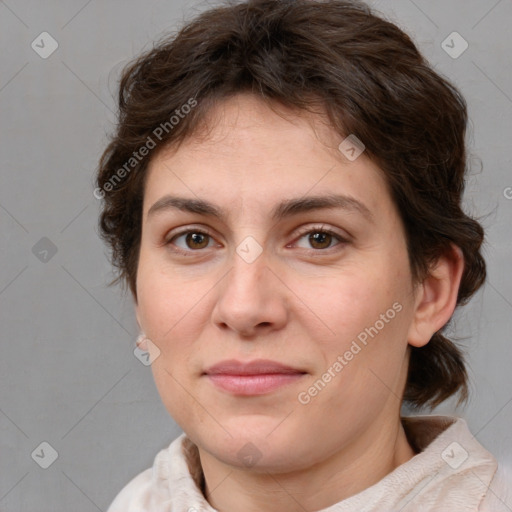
(142, 342)
(437, 297)
(137, 316)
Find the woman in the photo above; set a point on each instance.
(283, 198)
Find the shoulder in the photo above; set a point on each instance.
(133, 496)
(499, 494)
(149, 490)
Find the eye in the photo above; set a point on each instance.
(192, 240)
(319, 239)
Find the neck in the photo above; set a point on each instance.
(355, 467)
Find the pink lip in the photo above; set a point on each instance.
(253, 378)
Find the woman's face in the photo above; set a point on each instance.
(241, 260)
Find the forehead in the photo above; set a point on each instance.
(247, 152)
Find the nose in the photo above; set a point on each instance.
(251, 300)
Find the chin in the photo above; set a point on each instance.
(255, 443)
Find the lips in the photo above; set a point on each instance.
(256, 377)
(256, 367)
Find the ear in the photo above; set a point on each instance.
(436, 297)
(142, 342)
(141, 339)
(137, 316)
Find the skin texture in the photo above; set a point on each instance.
(297, 303)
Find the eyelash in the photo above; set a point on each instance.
(321, 229)
(301, 234)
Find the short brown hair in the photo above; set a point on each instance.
(366, 75)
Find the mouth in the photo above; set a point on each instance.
(256, 377)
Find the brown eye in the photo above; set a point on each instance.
(190, 241)
(320, 240)
(197, 240)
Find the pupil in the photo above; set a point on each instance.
(320, 239)
(196, 239)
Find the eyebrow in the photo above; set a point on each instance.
(285, 209)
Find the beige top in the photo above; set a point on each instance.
(453, 472)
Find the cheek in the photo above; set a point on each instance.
(156, 307)
(364, 366)
(165, 299)
(172, 310)
(345, 303)
(168, 312)
(364, 315)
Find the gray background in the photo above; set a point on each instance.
(68, 373)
